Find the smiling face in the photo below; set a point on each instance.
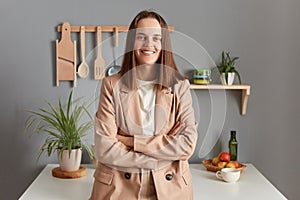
(147, 45)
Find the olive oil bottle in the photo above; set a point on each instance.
(233, 146)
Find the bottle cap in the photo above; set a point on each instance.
(233, 132)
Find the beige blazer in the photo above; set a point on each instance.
(118, 172)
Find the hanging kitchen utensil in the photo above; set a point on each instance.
(83, 69)
(114, 68)
(65, 56)
(99, 64)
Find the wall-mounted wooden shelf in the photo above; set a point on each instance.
(245, 91)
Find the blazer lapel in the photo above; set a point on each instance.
(163, 103)
(131, 106)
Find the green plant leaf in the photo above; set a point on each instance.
(228, 65)
(89, 151)
(61, 125)
(69, 104)
(238, 75)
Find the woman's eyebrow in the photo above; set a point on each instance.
(157, 34)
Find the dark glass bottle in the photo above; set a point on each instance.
(233, 146)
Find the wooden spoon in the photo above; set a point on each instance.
(83, 69)
(99, 64)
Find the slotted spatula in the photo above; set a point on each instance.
(99, 64)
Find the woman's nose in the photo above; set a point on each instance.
(148, 42)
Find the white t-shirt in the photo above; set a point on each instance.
(147, 94)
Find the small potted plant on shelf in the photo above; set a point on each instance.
(61, 124)
(227, 69)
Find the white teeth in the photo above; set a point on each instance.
(148, 52)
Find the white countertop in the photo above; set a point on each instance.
(252, 185)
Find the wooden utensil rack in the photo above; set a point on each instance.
(104, 28)
(66, 66)
(115, 29)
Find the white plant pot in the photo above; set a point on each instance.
(230, 80)
(71, 163)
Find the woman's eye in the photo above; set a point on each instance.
(156, 39)
(140, 37)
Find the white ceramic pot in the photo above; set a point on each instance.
(70, 163)
(230, 80)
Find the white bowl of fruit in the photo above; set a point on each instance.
(222, 161)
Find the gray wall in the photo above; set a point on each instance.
(263, 33)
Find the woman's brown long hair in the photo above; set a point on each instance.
(168, 71)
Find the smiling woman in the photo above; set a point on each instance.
(147, 46)
(145, 129)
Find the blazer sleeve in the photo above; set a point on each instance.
(180, 146)
(108, 150)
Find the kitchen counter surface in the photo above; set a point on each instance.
(252, 185)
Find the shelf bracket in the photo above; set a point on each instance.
(245, 95)
(245, 92)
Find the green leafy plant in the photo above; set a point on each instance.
(227, 65)
(62, 126)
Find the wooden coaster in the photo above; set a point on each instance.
(57, 172)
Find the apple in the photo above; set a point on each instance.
(237, 164)
(233, 164)
(224, 156)
(221, 164)
(215, 161)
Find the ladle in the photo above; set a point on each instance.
(114, 68)
(83, 69)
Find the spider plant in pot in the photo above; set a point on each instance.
(64, 131)
(227, 69)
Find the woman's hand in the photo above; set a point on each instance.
(126, 140)
(176, 128)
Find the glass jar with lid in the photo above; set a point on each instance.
(202, 76)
